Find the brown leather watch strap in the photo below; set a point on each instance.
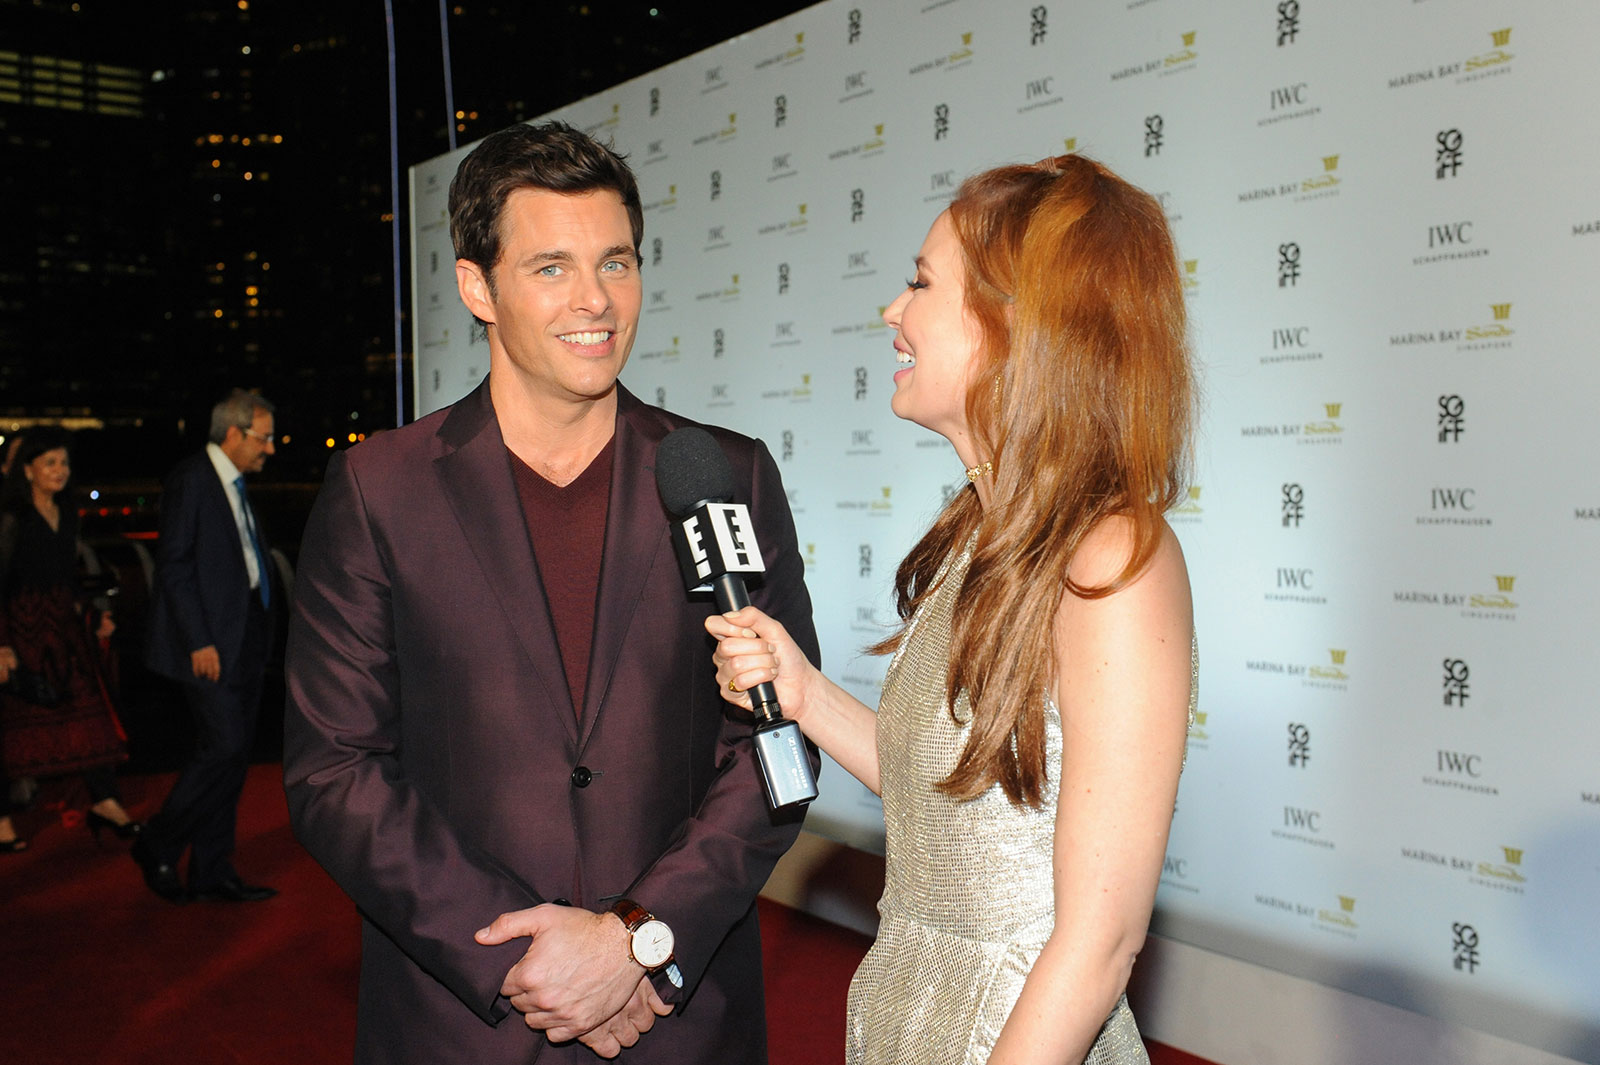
(631, 913)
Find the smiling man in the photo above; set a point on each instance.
(504, 738)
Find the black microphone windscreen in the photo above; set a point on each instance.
(691, 469)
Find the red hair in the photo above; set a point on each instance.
(1083, 398)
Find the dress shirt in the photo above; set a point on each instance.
(229, 473)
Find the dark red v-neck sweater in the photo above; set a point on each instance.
(567, 526)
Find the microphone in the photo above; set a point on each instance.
(715, 542)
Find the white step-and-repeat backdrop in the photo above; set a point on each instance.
(1389, 217)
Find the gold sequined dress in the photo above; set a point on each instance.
(968, 898)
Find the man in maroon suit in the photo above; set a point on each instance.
(503, 736)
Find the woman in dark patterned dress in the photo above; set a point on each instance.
(45, 630)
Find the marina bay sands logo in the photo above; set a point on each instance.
(1342, 919)
(1504, 875)
(1288, 22)
(1496, 330)
(1326, 429)
(1500, 599)
(1327, 179)
(1493, 63)
(951, 60)
(1187, 56)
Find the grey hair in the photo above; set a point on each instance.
(237, 410)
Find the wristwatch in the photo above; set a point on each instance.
(650, 941)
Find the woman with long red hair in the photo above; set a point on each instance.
(1031, 729)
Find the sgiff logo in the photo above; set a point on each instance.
(1455, 681)
(941, 121)
(853, 25)
(858, 205)
(1293, 505)
(655, 102)
(1447, 158)
(1299, 745)
(865, 560)
(1037, 19)
(1464, 947)
(1288, 265)
(783, 278)
(1153, 126)
(861, 382)
(717, 338)
(780, 110)
(655, 252)
(1288, 22)
(1452, 419)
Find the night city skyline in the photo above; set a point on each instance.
(203, 198)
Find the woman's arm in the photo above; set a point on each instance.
(1123, 673)
(752, 648)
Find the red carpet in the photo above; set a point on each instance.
(98, 970)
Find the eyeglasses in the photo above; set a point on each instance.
(265, 438)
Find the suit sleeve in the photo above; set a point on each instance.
(709, 877)
(177, 557)
(381, 839)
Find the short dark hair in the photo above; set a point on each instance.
(551, 155)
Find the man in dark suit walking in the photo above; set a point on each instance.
(503, 735)
(210, 631)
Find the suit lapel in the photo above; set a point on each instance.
(475, 473)
(636, 541)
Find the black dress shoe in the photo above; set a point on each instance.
(159, 877)
(233, 890)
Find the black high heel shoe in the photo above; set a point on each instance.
(125, 830)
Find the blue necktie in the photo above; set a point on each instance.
(255, 542)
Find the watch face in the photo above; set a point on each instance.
(652, 944)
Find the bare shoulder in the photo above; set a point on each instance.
(1106, 549)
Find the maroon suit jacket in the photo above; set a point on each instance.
(431, 745)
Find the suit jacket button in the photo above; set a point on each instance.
(581, 777)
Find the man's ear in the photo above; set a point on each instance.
(474, 289)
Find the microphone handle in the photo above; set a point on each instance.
(730, 594)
